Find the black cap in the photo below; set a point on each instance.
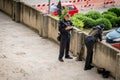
(102, 25)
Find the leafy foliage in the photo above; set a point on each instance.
(93, 14)
(115, 10)
(111, 18)
(118, 21)
(77, 22)
(108, 12)
(104, 21)
(88, 22)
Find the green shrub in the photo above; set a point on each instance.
(93, 14)
(77, 23)
(108, 16)
(104, 21)
(114, 22)
(118, 21)
(111, 18)
(108, 12)
(115, 10)
(88, 22)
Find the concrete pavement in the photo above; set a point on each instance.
(26, 56)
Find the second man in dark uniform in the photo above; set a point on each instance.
(94, 36)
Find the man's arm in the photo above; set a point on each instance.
(100, 35)
(71, 25)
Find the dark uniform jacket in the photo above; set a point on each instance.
(62, 25)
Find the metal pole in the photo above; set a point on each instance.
(49, 7)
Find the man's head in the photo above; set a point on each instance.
(102, 26)
(67, 17)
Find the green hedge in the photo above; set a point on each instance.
(78, 23)
(115, 10)
(88, 22)
(114, 21)
(104, 21)
(118, 21)
(111, 18)
(93, 14)
(108, 12)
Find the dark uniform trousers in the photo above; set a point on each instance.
(64, 46)
(89, 42)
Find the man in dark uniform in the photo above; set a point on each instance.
(65, 26)
(94, 36)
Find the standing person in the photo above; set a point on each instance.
(65, 26)
(94, 36)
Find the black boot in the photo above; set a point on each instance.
(68, 57)
(61, 60)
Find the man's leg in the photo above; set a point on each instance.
(91, 56)
(89, 44)
(67, 49)
(88, 59)
(62, 48)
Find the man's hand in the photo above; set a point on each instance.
(68, 27)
